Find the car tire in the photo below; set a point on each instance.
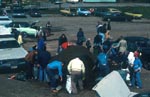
(146, 65)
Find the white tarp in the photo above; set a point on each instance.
(113, 86)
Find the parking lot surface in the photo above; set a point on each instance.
(70, 26)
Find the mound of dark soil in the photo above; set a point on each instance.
(85, 55)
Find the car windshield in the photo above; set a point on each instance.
(9, 44)
(82, 9)
(18, 11)
(34, 10)
(73, 10)
(19, 24)
(4, 18)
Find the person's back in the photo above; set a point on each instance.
(44, 57)
(62, 39)
(102, 58)
(80, 37)
(80, 34)
(123, 45)
(97, 40)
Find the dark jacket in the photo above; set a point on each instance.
(43, 58)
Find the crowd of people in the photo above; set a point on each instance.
(39, 66)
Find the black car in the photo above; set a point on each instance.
(34, 12)
(117, 16)
(143, 45)
(20, 12)
(101, 12)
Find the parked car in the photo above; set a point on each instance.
(23, 27)
(113, 10)
(72, 1)
(4, 30)
(135, 15)
(34, 12)
(117, 17)
(101, 12)
(83, 12)
(143, 45)
(5, 20)
(12, 55)
(69, 11)
(18, 13)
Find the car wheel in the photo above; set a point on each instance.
(24, 34)
(146, 65)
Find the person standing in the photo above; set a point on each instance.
(20, 40)
(131, 59)
(30, 61)
(99, 27)
(43, 59)
(40, 43)
(62, 39)
(49, 26)
(80, 37)
(137, 66)
(88, 44)
(122, 50)
(108, 25)
(102, 63)
(54, 72)
(76, 69)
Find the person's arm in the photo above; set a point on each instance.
(69, 67)
(60, 71)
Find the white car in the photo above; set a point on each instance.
(23, 27)
(11, 55)
(4, 30)
(5, 20)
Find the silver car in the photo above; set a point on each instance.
(11, 55)
(4, 20)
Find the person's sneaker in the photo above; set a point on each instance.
(54, 91)
(138, 87)
(130, 85)
(58, 88)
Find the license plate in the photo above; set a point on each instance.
(14, 67)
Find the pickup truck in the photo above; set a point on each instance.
(69, 11)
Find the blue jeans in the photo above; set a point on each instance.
(42, 74)
(103, 70)
(52, 73)
(136, 79)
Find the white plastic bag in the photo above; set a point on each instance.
(68, 84)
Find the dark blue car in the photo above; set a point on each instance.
(117, 16)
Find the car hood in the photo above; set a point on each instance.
(4, 31)
(12, 53)
(30, 31)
